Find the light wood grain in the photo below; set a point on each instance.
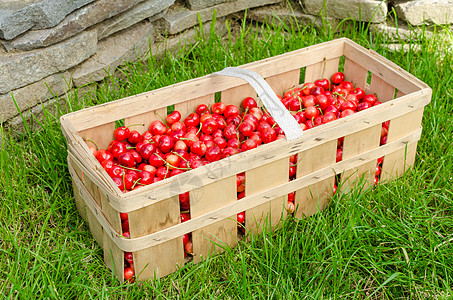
(267, 195)
(154, 217)
(284, 81)
(145, 119)
(80, 204)
(102, 135)
(95, 227)
(204, 200)
(323, 69)
(160, 260)
(355, 73)
(383, 90)
(354, 144)
(396, 163)
(256, 180)
(235, 95)
(113, 257)
(314, 198)
(188, 107)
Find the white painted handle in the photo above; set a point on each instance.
(270, 100)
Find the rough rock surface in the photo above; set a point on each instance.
(16, 17)
(361, 10)
(276, 13)
(71, 25)
(400, 33)
(179, 18)
(113, 51)
(18, 70)
(147, 9)
(421, 12)
(200, 4)
(33, 94)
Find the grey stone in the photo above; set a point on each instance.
(114, 51)
(179, 18)
(426, 11)
(71, 25)
(373, 11)
(51, 106)
(403, 47)
(200, 4)
(18, 70)
(401, 32)
(33, 94)
(148, 9)
(277, 13)
(17, 17)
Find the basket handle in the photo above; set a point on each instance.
(270, 100)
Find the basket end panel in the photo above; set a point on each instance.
(113, 257)
(395, 164)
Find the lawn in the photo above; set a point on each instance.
(394, 241)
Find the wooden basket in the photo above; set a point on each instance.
(154, 212)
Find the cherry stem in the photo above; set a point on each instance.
(199, 129)
(97, 147)
(245, 112)
(338, 94)
(127, 168)
(162, 119)
(135, 125)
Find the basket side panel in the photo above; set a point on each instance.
(188, 107)
(164, 258)
(208, 198)
(113, 257)
(323, 69)
(155, 217)
(315, 197)
(383, 90)
(282, 82)
(235, 95)
(142, 121)
(355, 73)
(259, 179)
(357, 143)
(397, 162)
(160, 260)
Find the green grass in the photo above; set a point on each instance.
(392, 242)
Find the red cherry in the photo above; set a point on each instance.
(129, 274)
(231, 110)
(121, 133)
(173, 117)
(157, 128)
(218, 108)
(249, 103)
(241, 217)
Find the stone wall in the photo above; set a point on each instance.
(52, 46)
